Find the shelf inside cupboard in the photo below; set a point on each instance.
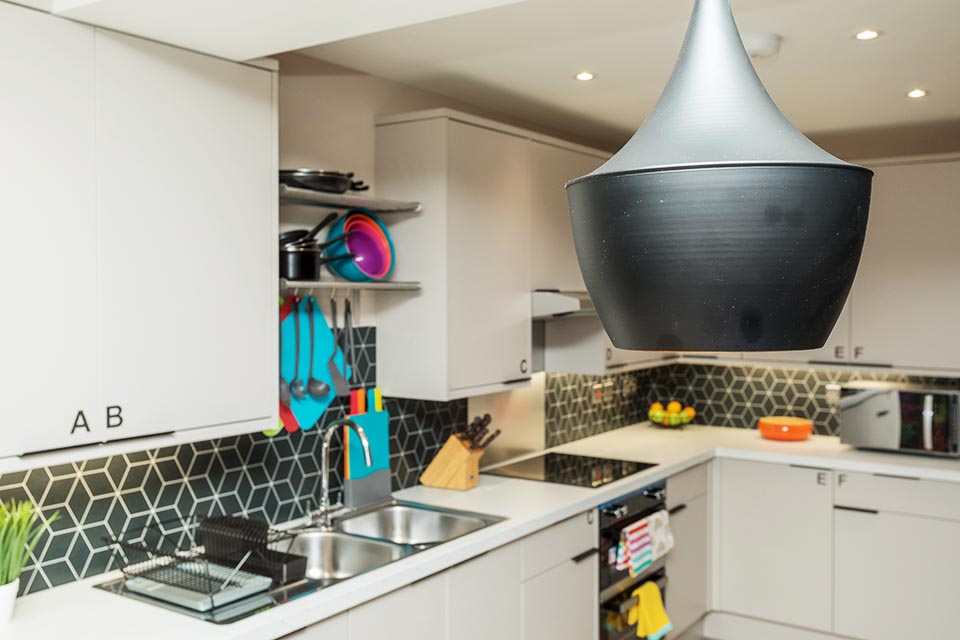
(289, 285)
(292, 195)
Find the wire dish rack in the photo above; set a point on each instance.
(203, 563)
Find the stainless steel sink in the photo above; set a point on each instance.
(333, 556)
(417, 525)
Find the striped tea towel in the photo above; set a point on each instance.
(644, 542)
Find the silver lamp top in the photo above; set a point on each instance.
(714, 110)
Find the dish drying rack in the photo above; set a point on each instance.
(215, 557)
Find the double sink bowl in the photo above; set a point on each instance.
(358, 541)
(362, 540)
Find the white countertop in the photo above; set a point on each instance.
(79, 611)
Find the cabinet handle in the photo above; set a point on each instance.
(871, 512)
(822, 478)
(584, 556)
(841, 479)
(524, 366)
(896, 477)
(609, 354)
(838, 352)
(515, 380)
(677, 509)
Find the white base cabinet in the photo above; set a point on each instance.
(561, 581)
(775, 542)
(484, 597)
(416, 612)
(543, 586)
(689, 561)
(896, 576)
(561, 603)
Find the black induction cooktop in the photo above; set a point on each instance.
(562, 468)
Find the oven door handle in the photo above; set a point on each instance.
(589, 553)
(623, 607)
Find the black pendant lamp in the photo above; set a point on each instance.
(719, 226)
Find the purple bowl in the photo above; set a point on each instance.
(369, 258)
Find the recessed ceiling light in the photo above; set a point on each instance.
(868, 34)
(917, 93)
(585, 76)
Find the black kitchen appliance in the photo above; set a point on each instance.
(563, 468)
(616, 585)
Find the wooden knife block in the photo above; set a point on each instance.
(454, 467)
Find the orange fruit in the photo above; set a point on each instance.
(690, 411)
(666, 422)
(674, 407)
(656, 406)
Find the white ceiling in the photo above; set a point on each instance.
(244, 29)
(520, 59)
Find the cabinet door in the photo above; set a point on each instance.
(835, 351)
(775, 530)
(553, 255)
(48, 246)
(187, 208)
(905, 312)
(337, 627)
(687, 563)
(488, 276)
(416, 612)
(484, 596)
(897, 576)
(561, 604)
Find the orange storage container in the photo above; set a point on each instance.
(785, 428)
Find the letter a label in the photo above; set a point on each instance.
(80, 422)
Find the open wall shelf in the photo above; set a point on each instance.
(344, 285)
(292, 195)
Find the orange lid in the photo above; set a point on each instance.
(786, 421)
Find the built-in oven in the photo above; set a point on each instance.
(617, 585)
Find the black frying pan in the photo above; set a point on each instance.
(318, 180)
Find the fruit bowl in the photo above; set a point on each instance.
(673, 415)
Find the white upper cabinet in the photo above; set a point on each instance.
(488, 268)
(901, 312)
(468, 332)
(255, 28)
(48, 246)
(553, 257)
(580, 345)
(905, 311)
(138, 258)
(187, 201)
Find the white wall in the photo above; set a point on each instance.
(327, 114)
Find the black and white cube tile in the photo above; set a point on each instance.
(579, 406)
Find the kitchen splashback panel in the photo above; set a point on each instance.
(578, 406)
(267, 478)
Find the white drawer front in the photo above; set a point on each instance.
(687, 485)
(546, 549)
(900, 494)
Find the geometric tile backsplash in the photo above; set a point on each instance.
(734, 396)
(267, 478)
(274, 478)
